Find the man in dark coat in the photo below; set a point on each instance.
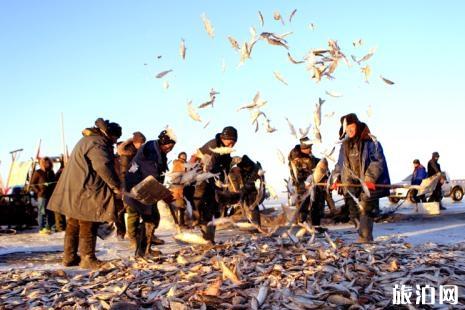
(301, 165)
(361, 158)
(418, 175)
(126, 152)
(204, 196)
(86, 192)
(434, 168)
(42, 184)
(150, 160)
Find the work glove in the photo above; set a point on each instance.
(371, 186)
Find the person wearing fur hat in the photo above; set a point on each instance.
(361, 158)
(86, 192)
(126, 151)
(434, 168)
(205, 203)
(150, 160)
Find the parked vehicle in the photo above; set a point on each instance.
(451, 188)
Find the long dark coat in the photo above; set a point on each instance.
(85, 189)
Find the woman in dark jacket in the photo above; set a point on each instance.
(361, 159)
(86, 192)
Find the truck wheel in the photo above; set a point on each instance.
(393, 199)
(457, 194)
(411, 194)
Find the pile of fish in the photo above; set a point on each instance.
(247, 272)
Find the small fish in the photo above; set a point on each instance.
(191, 238)
(277, 16)
(159, 57)
(293, 60)
(234, 43)
(256, 103)
(220, 221)
(317, 135)
(273, 39)
(291, 128)
(182, 49)
(369, 111)
(312, 26)
(292, 15)
(207, 103)
(389, 82)
(357, 43)
(281, 157)
(330, 241)
(223, 150)
(245, 225)
(366, 57)
(268, 127)
(367, 72)
(166, 85)
(208, 26)
(193, 113)
(304, 132)
(253, 34)
(213, 93)
(259, 300)
(206, 124)
(261, 19)
(320, 171)
(279, 77)
(317, 113)
(229, 274)
(214, 288)
(282, 36)
(333, 94)
(162, 74)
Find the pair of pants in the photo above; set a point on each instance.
(205, 203)
(60, 222)
(316, 207)
(150, 221)
(80, 235)
(133, 222)
(46, 218)
(436, 196)
(120, 223)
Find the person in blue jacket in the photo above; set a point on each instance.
(361, 159)
(419, 173)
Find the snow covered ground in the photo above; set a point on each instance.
(32, 250)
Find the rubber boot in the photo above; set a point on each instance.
(141, 241)
(70, 256)
(365, 230)
(256, 217)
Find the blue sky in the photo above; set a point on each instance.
(86, 59)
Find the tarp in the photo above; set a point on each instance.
(19, 173)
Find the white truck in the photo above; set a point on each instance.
(450, 188)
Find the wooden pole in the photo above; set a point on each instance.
(63, 142)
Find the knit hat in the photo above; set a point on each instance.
(167, 136)
(229, 133)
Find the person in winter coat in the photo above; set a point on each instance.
(179, 166)
(126, 152)
(204, 195)
(60, 219)
(419, 173)
(42, 184)
(86, 192)
(434, 168)
(150, 160)
(301, 165)
(361, 159)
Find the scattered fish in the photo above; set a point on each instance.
(191, 238)
(279, 77)
(208, 26)
(234, 43)
(291, 128)
(389, 82)
(291, 59)
(193, 113)
(292, 15)
(261, 19)
(182, 49)
(162, 74)
(333, 94)
(277, 16)
(223, 150)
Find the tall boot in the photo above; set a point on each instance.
(210, 233)
(365, 230)
(256, 217)
(87, 243)
(70, 257)
(149, 231)
(141, 244)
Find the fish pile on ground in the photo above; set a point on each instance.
(249, 272)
